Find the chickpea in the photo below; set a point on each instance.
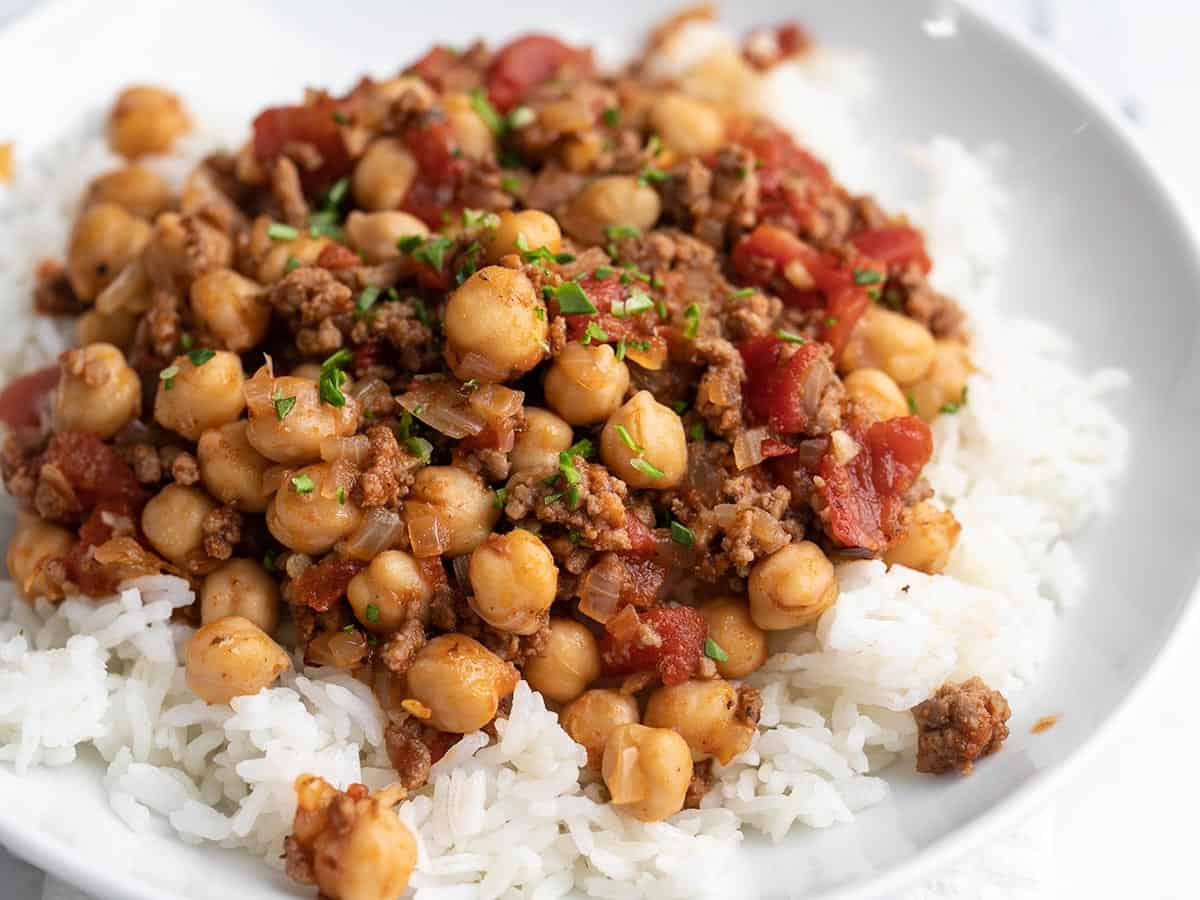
(389, 592)
(279, 255)
(117, 328)
(307, 515)
(141, 191)
(146, 120)
(376, 235)
(882, 339)
(384, 174)
(240, 587)
(365, 852)
(545, 436)
(593, 716)
(610, 201)
(734, 631)
(173, 522)
(791, 587)
(874, 395)
(297, 437)
(231, 469)
(97, 391)
(461, 682)
(946, 380)
(706, 714)
(460, 500)
(928, 540)
(688, 126)
(643, 443)
(538, 229)
(514, 579)
(199, 397)
(105, 239)
(474, 137)
(231, 308)
(586, 384)
(30, 549)
(232, 657)
(647, 771)
(569, 662)
(495, 326)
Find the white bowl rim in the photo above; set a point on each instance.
(55, 856)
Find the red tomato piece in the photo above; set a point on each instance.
(643, 581)
(22, 398)
(95, 471)
(433, 66)
(528, 61)
(895, 247)
(322, 585)
(845, 308)
(338, 256)
(777, 151)
(777, 375)
(313, 124)
(642, 541)
(865, 496)
(680, 632)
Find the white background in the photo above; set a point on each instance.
(1123, 826)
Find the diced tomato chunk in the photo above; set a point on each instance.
(313, 124)
(21, 399)
(321, 585)
(338, 256)
(680, 633)
(643, 581)
(96, 472)
(777, 151)
(895, 246)
(845, 308)
(433, 66)
(865, 495)
(528, 61)
(778, 378)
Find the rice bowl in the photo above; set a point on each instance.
(1013, 565)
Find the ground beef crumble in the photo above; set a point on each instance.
(959, 724)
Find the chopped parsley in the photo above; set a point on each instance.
(742, 292)
(681, 534)
(484, 109)
(333, 376)
(341, 495)
(951, 407)
(268, 560)
(510, 184)
(621, 348)
(185, 341)
(637, 304)
(167, 377)
(337, 193)
(651, 175)
(713, 651)
(893, 298)
(373, 614)
(499, 497)
(593, 332)
(791, 337)
(421, 311)
(365, 300)
(480, 218)
(627, 439)
(291, 265)
(303, 483)
(612, 117)
(867, 276)
(830, 321)
(325, 224)
(621, 232)
(541, 255)
(283, 405)
(469, 262)
(551, 497)
(434, 251)
(912, 402)
(277, 231)
(696, 431)
(200, 357)
(566, 465)
(571, 299)
(409, 243)
(692, 317)
(573, 497)
(603, 273)
(420, 448)
(340, 117)
(680, 407)
(582, 447)
(646, 467)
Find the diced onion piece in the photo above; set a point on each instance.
(259, 388)
(342, 476)
(704, 477)
(371, 393)
(625, 624)
(441, 406)
(340, 649)
(653, 358)
(129, 291)
(748, 448)
(600, 588)
(354, 449)
(378, 531)
(297, 564)
(461, 566)
(495, 401)
(427, 534)
(476, 365)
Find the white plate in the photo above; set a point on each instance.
(1099, 250)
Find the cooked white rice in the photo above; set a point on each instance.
(509, 818)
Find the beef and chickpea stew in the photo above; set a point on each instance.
(501, 368)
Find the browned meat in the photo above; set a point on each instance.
(389, 469)
(936, 311)
(398, 651)
(959, 724)
(222, 530)
(313, 303)
(701, 783)
(409, 755)
(289, 194)
(52, 295)
(599, 519)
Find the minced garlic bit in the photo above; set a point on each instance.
(416, 708)
(6, 162)
(844, 447)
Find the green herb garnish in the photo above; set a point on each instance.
(341, 495)
(713, 651)
(420, 448)
(329, 384)
(303, 483)
(646, 467)
(484, 109)
(499, 497)
(277, 231)
(200, 357)
(365, 300)
(612, 117)
(620, 232)
(681, 534)
(372, 613)
(185, 341)
(593, 332)
(637, 304)
(283, 405)
(696, 431)
(167, 377)
(692, 317)
(867, 276)
(434, 251)
(784, 335)
(582, 447)
(627, 439)
(571, 299)
(742, 292)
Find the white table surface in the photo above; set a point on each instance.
(1123, 825)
